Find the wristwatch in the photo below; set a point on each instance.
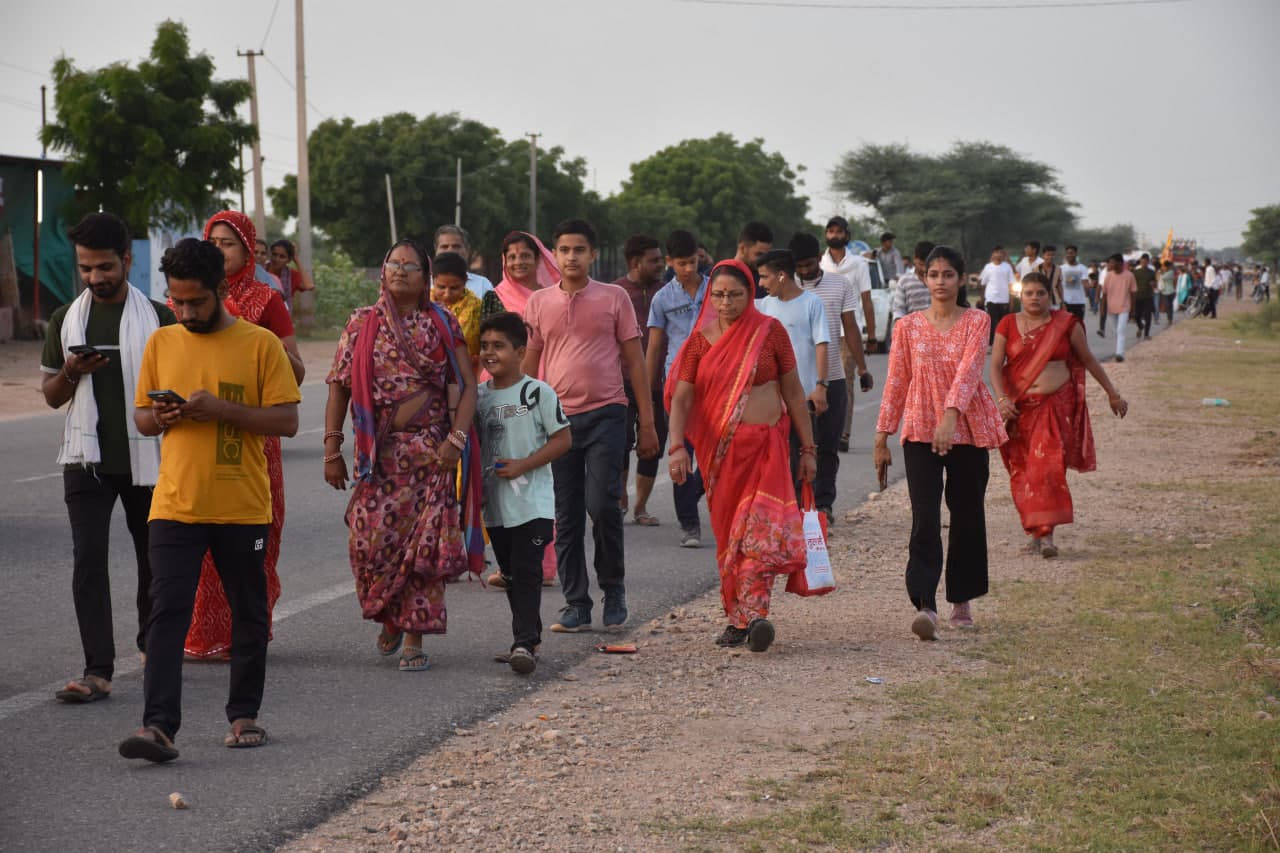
(824, 383)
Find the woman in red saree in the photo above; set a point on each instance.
(251, 300)
(1038, 359)
(726, 392)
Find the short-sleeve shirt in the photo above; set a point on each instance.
(837, 296)
(996, 279)
(675, 313)
(580, 336)
(855, 268)
(513, 423)
(213, 472)
(1118, 289)
(1073, 278)
(478, 284)
(805, 320)
(102, 330)
(1168, 283)
(1146, 279)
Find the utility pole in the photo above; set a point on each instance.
(391, 208)
(255, 225)
(304, 302)
(533, 182)
(44, 149)
(259, 208)
(457, 206)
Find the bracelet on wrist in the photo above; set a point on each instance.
(67, 376)
(676, 448)
(459, 443)
(809, 451)
(335, 433)
(332, 457)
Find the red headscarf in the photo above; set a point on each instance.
(246, 296)
(724, 375)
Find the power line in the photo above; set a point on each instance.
(931, 7)
(270, 21)
(41, 74)
(291, 85)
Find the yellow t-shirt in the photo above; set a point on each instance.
(213, 472)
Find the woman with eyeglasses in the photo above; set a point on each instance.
(403, 368)
(734, 391)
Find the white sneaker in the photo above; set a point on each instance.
(925, 625)
(690, 540)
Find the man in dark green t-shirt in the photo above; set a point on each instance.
(104, 457)
(1144, 300)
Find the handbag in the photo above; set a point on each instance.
(817, 577)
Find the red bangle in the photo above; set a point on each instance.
(673, 448)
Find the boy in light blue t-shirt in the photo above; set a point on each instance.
(522, 429)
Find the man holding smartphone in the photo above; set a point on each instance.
(213, 493)
(91, 356)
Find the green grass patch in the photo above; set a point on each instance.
(1263, 323)
(1135, 706)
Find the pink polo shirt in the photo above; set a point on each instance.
(581, 337)
(1118, 290)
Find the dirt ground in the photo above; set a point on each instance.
(623, 752)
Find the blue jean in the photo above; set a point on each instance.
(687, 495)
(589, 483)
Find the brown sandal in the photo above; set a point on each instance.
(245, 734)
(150, 743)
(94, 688)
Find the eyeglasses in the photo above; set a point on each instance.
(727, 295)
(406, 268)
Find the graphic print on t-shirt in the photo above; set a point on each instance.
(230, 443)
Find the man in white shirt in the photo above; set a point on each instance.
(1071, 281)
(451, 238)
(1030, 260)
(802, 315)
(996, 278)
(838, 259)
(890, 258)
(1264, 282)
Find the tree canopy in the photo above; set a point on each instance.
(1262, 234)
(713, 187)
(155, 144)
(972, 197)
(349, 162)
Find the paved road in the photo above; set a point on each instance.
(340, 716)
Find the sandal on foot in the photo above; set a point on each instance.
(245, 734)
(1049, 551)
(644, 519)
(150, 743)
(386, 647)
(413, 660)
(90, 688)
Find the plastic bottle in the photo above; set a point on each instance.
(1215, 401)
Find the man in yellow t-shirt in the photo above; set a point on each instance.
(228, 384)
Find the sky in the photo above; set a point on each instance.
(614, 81)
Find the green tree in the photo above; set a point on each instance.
(349, 163)
(972, 197)
(1095, 244)
(1262, 234)
(711, 186)
(155, 144)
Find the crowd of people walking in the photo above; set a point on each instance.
(506, 417)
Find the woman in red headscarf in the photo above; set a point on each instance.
(251, 300)
(726, 391)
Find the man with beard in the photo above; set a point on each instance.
(754, 240)
(839, 260)
(214, 386)
(91, 357)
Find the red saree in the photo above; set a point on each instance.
(210, 634)
(746, 468)
(1052, 431)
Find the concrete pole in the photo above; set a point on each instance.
(533, 182)
(457, 205)
(259, 206)
(391, 209)
(305, 302)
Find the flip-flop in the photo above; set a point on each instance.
(77, 697)
(388, 651)
(241, 728)
(645, 520)
(408, 658)
(156, 748)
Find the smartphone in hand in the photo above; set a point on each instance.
(85, 351)
(166, 396)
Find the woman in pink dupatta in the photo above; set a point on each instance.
(726, 391)
(527, 266)
(1038, 362)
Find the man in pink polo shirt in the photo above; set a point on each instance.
(582, 333)
(1118, 294)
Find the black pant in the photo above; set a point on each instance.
(827, 429)
(91, 498)
(177, 550)
(645, 467)
(1102, 314)
(967, 471)
(1211, 309)
(1143, 309)
(1076, 310)
(687, 495)
(519, 551)
(997, 312)
(1166, 305)
(589, 483)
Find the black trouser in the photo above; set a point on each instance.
(967, 471)
(997, 312)
(645, 467)
(177, 550)
(1102, 314)
(1166, 305)
(827, 428)
(1211, 309)
(91, 498)
(1076, 310)
(589, 483)
(1143, 309)
(519, 551)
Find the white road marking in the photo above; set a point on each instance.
(38, 477)
(129, 664)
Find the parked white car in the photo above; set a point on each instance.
(881, 297)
